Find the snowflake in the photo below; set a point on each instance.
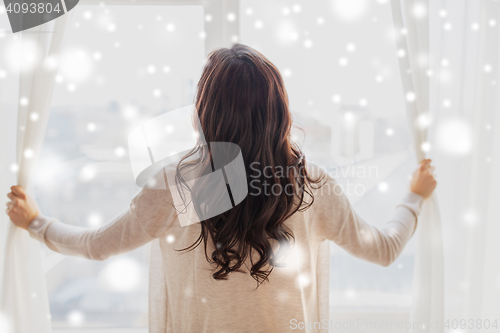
(343, 62)
(410, 96)
(170, 27)
(28, 153)
(87, 15)
(151, 69)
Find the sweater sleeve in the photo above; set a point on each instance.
(149, 216)
(336, 220)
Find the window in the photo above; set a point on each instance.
(340, 66)
(85, 176)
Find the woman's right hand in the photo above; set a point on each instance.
(423, 181)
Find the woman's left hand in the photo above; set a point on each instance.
(22, 208)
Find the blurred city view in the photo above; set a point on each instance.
(143, 61)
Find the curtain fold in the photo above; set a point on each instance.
(469, 167)
(411, 24)
(24, 299)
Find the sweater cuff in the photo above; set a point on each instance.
(413, 202)
(38, 226)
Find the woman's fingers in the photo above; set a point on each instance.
(18, 191)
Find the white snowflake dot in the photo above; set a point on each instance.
(87, 15)
(24, 101)
(426, 147)
(410, 96)
(151, 69)
(419, 10)
(170, 27)
(383, 187)
(120, 151)
(29, 153)
(308, 43)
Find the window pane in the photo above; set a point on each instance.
(121, 65)
(340, 67)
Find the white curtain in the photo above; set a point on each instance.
(24, 300)
(465, 40)
(411, 24)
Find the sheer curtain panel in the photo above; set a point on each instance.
(411, 25)
(24, 300)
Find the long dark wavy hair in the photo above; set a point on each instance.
(241, 99)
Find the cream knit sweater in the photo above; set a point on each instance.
(183, 296)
